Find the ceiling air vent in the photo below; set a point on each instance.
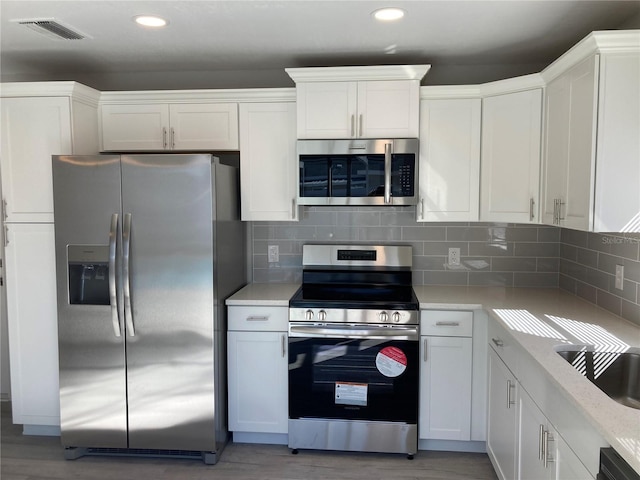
(51, 28)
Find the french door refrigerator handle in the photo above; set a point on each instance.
(113, 296)
(126, 273)
(387, 173)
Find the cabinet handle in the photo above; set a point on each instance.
(509, 387)
(256, 318)
(284, 349)
(422, 208)
(546, 438)
(173, 138)
(6, 235)
(541, 442)
(164, 138)
(353, 125)
(294, 206)
(560, 217)
(531, 204)
(360, 126)
(425, 350)
(447, 324)
(5, 215)
(497, 342)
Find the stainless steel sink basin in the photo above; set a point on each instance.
(616, 374)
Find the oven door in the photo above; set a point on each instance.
(361, 376)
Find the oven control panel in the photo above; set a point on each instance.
(350, 315)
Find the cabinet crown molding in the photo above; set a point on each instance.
(75, 90)
(358, 73)
(240, 95)
(609, 41)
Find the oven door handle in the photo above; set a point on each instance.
(354, 331)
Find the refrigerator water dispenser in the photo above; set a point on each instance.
(88, 269)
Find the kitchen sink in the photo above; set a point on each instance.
(615, 373)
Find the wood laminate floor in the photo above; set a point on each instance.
(41, 458)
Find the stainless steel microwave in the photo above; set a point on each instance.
(358, 172)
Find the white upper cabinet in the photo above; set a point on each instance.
(175, 126)
(570, 149)
(617, 194)
(268, 179)
(510, 173)
(358, 102)
(449, 167)
(34, 128)
(591, 178)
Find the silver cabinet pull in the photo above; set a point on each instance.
(173, 138)
(360, 122)
(126, 274)
(560, 204)
(294, 206)
(283, 338)
(510, 386)
(164, 137)
(6, 235)
(425, 350)
(531, 204)
(387, 173)
(447, 324)
(256, 318)
(5, 215)
(353, 125)
(497, 342)
(546, 438)
(422, 208)
(541, 442)
(113, 296)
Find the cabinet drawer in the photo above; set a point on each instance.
(258, 319)
(446, 323)
(503, 344)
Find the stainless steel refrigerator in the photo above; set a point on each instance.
(147, 249)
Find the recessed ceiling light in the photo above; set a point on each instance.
(150, 21)
(388, 14)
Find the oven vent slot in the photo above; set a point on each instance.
(51, 28)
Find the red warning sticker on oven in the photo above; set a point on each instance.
(391, 361)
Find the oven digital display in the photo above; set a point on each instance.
(357, 255)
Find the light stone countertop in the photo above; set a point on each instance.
(264, 294)
(558, 313)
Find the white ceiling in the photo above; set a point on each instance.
(248, 43)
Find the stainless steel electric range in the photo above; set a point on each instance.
(354, 351)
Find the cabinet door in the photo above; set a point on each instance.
(534, 444)
(135, 127)
(32, 321)
(268, 171)
(327, 109)
(388, 109)
(511, 130)
(33, 129)
(203, 126)
(617, 202)
(570, 154)
(502, 418)
(557, 147)
(258, 382)
(445, 388)
(567, 464)
(449, 170)
(578, 211)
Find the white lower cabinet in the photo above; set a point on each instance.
(258, 373)
(445, 377)
(502, 418)
(536, 439)
(33, 326)
(524, 438)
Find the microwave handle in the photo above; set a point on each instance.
(387, 173)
